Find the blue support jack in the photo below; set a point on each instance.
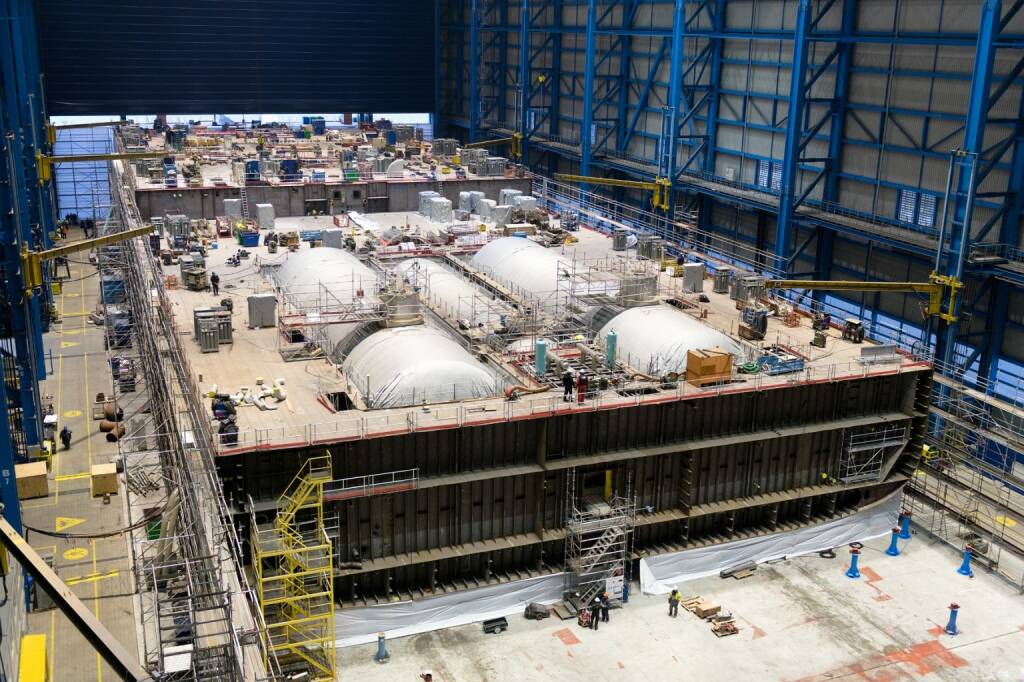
(852, 572)
(894, 547)
(965, 567)
(951, 628)
(905, 526)
(382, 654)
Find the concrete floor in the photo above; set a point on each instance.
(97, 569)
(802, 620)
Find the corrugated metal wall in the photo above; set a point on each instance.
(109, 57)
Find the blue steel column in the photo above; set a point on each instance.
(474, 72)
(830, 192)
(524, 75)
(794, 128)
(714, 78)
(1009, 233)
(588, 89)
(556, 68)
(669, 135)
(435, 123)
(974, 141)
(19, 159)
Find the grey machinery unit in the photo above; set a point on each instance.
(747, 288)
(619, 239)
(208, 335)
(650, 247)
(205, 321)
(193, 272)
(721, 281)
(693, 278)
(262, 310)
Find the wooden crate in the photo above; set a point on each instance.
(104, 479)
(31, 478)
(708, 366)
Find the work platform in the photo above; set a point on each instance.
(305, 419)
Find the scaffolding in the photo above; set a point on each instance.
(965, 490)
(599, 535)
(195, 604)
(865, 453)
(294, 569)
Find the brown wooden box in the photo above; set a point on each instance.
(708, 366)
(31, 478)
(104, 479)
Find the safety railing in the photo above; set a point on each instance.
(398, 421)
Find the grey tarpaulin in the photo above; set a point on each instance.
(361, 625)
(659, 574)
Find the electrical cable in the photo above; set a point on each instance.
(107, 534)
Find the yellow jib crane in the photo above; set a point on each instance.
(659, 187)
(32, 261)
(515, 142)
(940, 289)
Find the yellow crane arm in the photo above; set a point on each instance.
(936, 287)
(659, 186)
(46, 162)
(516, 142)
(32, 261)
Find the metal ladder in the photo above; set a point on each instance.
(245, 200)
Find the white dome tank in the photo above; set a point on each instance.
(655, 339)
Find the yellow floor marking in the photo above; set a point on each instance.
(53, 640)
(81, 314)
(1005, 521)
(71, 332)
(70, 294)
(96, 596)
(91, 578)
(71, 414)
(76, 553)
(62, 523)
(72, 477)
(88, 441)
(69, 344)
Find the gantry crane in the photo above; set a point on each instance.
(660, 188)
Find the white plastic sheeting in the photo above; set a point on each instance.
(655, 339)
(659, 574)
(354, 626)
(445, 288)
(410, 365)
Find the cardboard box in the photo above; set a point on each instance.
(32, 481)
(706, 609)
(104, 479)
(708, 366)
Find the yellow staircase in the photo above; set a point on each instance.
(295, 576)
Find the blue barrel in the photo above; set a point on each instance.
(252, 170)
(392, 137)
(319, 125)
(541, 358)
(306, 120)
(611, 347)
(519, 233)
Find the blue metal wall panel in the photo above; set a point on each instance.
(109, 57)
